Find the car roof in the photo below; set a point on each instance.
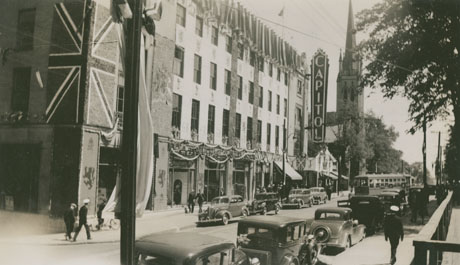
(332, 210)
(389, 193)
(227, 196)
(364, 198)
(180, 246)
(271, 221)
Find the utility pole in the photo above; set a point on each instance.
(424, 153)
(129, 140)
(284, 151)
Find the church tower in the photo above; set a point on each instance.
(349, 96)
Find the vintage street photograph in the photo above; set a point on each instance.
(230, 132)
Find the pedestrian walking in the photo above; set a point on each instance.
(69, 220)
(191, 201)
(328, 192)
(200, 200)
(82, 221)
(393, 230)
(413, 205)
(422, 201)
(100, 208)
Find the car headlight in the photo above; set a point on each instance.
(255, 261)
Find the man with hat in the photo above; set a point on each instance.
(394, 231)
(69, 220)
(82, 221)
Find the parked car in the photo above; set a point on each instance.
(298, 198)
(368, 210)
(319, 195)
(223, 209)
(277, 240)
(187, 248)
(400, 191)
(392, 198)
(335, 227)
(264, 202)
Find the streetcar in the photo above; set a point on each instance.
(374, 184)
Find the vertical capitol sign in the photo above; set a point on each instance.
(319, 72)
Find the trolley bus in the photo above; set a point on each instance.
(373, 184)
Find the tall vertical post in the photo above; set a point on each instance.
(424, 153)
(129, 140)
(284, 151)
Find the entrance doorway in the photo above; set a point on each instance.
(108, 172)
(177, 195)
(214, 180)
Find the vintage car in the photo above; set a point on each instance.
(299, 198)
(223, 209)
(264, 202)
(400, 191)
(187, 248)
(392, 198)
(368, 210)
(335, 227)
(319, 195)
(277, 240)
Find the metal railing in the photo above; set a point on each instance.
(432, 238)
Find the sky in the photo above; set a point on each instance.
(323, 25)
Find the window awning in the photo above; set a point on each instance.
(336, 176)
(290, 172)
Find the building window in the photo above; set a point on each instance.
(120, 102)
(270, 94)
(261, 97)
(213, 82)
(278, 74)
(345, 93)
(252, 58)
(270, 69)
(199, 26)
(211, 118)
(25, 29)
(278, 104)
(240, 87)
(284, 138)
(297, 143)
(259, 131)
(352, 94)
(277, 136)
(195, 121)
(249, 130)
(177, 110)
(228, 81)
(225, 123)
(238, 125)
(228, 44)
(197, 69)
(214, 35)
(285, 107)
(179, 61)
(240, 51)
(251, 92)
(21, 89)
(269, 133)
(180, 15)
(286, 78)
(261, 63)
(298, 116)
(299, 87)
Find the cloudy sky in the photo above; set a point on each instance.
(323, 24)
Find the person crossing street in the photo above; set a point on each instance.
(82, 220)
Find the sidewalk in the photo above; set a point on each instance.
(151, 222)
(374, 250)
(453, 235)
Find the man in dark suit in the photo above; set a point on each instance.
(69, 220)
(191, 201)
(394, 231)
(82, 221)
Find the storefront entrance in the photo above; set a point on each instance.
(214, 180)
(109, 168)
(183, 178)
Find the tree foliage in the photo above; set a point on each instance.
(413, 49)
(452, 164)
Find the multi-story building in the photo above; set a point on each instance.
(221, 87)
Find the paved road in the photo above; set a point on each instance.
(107, 253)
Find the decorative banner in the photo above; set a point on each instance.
(319, 72)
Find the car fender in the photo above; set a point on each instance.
(221, 213)
(288, 258)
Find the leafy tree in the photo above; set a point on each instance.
(413, 49)
(452, 165)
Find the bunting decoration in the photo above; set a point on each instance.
(231, 16)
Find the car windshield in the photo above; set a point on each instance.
(257, 232)
(329, 216)
(219, 200)
(314, 190)
(154, 260)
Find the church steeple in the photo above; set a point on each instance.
(350, 43)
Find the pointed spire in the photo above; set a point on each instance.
(350, 43)
(340, 57)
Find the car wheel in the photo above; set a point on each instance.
(264, 211)
(225, 218)
(277, 209)
(245, 213)
(299, 205)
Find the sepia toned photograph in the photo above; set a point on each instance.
(230, 132)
